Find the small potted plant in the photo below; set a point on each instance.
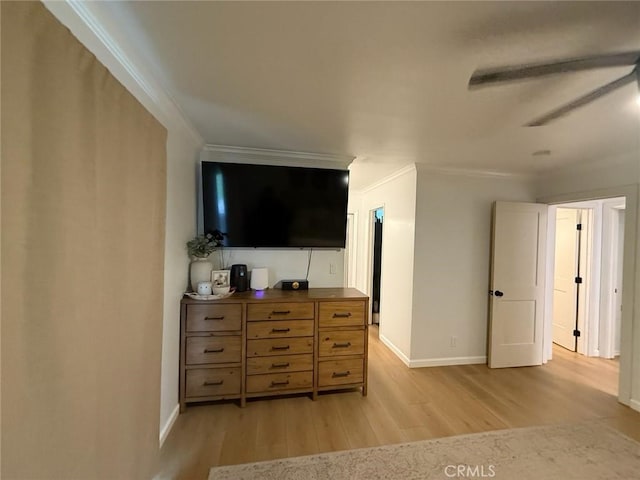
(199, 249)
(201, 246)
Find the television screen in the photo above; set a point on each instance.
(275, 206)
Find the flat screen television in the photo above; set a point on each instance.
(275, 206)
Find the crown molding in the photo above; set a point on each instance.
(398, 173)
(263, 156)
(83, 20)
(452, 171)
(477, 173)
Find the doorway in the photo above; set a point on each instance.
(587, 276)
(629, 337)
(570, 278)
(377, 220)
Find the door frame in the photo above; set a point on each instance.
(630, 336)
(371, 218)
(612, 209)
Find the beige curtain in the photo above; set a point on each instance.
(82, 216)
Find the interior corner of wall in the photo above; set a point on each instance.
(397, 351)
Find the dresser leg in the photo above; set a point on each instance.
(243, 402)
(364, 390)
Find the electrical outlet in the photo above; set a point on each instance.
(332, 268)
(453, 341)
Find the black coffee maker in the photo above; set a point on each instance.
(239, 278)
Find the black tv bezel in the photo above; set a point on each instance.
(274, 247)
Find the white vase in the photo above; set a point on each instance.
(200, 271)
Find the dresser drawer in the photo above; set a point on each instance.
(278, 364)
(203, 382)
(340, 372)
(349, 342)
(227, 349)
(342, 314)
(279, 381)
(279, 346)
(280, 311)
(280, 328)
(214, 318)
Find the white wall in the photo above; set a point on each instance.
(182, 157)
(397, 194)
(356, 262)
(451, 274)
(290, 264)
(611, 178)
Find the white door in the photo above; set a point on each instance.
(516, 304)
(565, 293)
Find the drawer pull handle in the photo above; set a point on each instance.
(342, 315)
(281, 312)
(284, 347)
(277, 384)
(214, 318)
(280, 330)
(213, 350)
(341, 345)
(341, 374)
(280, 365)
(213, 384)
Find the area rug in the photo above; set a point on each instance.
(585, 451)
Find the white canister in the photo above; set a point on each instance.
(259, 278)
(204, 288)
(200, 271)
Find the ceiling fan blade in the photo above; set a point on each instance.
(490, 76)
(585, 99)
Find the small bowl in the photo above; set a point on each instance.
(220, 290)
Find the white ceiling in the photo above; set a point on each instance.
(387, 81)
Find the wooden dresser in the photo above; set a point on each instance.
(256, 344)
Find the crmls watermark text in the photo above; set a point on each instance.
(470, 471)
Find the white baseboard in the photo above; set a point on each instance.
(443, 362)
(635, 404)
(164, 433)
(395, 350)
(431, 362)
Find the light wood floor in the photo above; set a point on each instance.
(403, 405)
